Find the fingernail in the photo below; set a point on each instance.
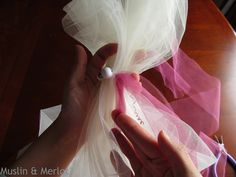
(115, 113)
(136, 76)
(164, 134)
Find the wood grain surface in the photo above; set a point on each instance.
(36, 56)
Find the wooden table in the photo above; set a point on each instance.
(36, 56)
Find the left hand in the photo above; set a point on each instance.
(83, 83)
(57, 146)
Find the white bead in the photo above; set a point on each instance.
(106, 73)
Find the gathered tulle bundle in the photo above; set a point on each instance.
(153, 28)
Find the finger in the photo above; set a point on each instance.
(136, 134)
(176, 154)
(136, 76)
(157, 166)
(98, 60)
(79, 69)
(121, 168)
(107, 51)
(137, 158)
(102, 55)
(170, 148)
(140, 55)
(128, 150)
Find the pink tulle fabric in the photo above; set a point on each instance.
(197, 92)
(197, 103)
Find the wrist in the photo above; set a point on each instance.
(69, 129)
(70, 120)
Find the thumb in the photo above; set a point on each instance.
(177, 156)
(103, 54)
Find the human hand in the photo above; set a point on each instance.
(64, 133)
(83, 83)
(149, 157)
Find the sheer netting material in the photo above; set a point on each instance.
(148, 33)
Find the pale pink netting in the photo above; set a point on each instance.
(197, 103)
(153, 28)
(197, 92)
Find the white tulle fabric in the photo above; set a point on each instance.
(155, 27)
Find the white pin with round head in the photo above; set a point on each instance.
(106, 73)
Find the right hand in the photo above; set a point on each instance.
(150, 157)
